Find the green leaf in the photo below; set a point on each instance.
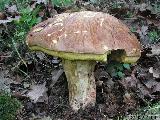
(113, 73)
(21, 34)
(127, 66)
(120, 74)
(119, 67)
(133, 29)
(62, 3)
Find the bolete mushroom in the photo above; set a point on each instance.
(81, 39)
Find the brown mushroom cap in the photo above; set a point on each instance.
(83, 33)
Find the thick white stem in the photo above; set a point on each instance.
(81, 83)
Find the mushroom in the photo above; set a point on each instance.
(81, 39)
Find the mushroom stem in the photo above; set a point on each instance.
(81, 83)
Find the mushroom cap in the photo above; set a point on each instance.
(85, 33)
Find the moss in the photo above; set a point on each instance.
(8, 107)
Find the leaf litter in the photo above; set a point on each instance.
(38, 93)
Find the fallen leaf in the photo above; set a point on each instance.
(143, 31)
(141, 7)
(37, 117)
(150, 84)
(129, 82)
(12, 9)
(55, 60)
(4, 82)
(155, 72)
(143, 92)
(41, 1)
(38, 93)
(155, 50)
(46, 118)
(26, 85)
(35, 2)
(134, 84)
(143, 34)
(9, 19)
(156, 88)
(55, 76)
(40, 55)
(130, 101)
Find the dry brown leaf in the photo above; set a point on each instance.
(155, 72)
(155, 49)
(38, 93)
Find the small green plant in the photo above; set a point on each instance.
(151, 112)
(116, 69)
(156, 8)
(27, 20)
(116, 4)
(3, 3)
(94, 1)
(16, 32)
(62, 3)
(21, 4)
(129, 14)
(133, 29)
(153, 36)
(8, 107)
